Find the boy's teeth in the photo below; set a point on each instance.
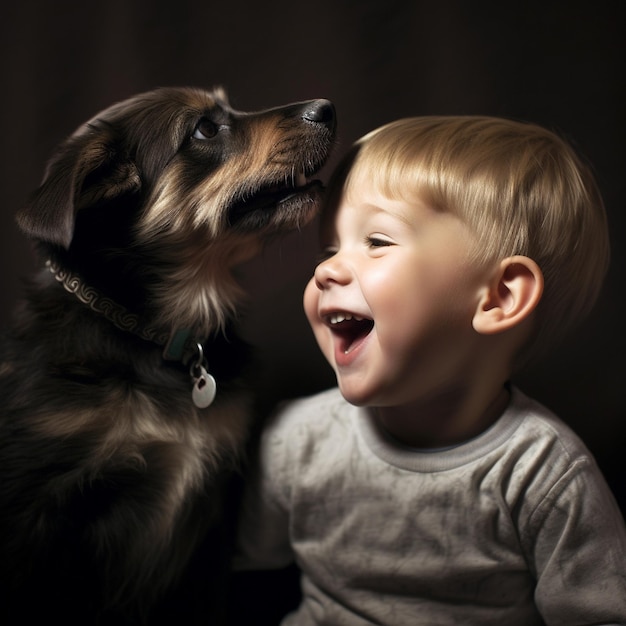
(337, 318)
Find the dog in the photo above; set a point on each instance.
(124, 402)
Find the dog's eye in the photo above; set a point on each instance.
(205, 129)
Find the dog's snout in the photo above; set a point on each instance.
(320, 111)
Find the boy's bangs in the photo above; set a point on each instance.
(398, 175)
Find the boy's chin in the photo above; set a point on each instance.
(355, 394)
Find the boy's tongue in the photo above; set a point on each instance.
(351, 332)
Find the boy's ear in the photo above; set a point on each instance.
(512, 295)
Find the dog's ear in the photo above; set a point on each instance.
(89, 167)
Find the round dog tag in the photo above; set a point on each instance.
(204, 389)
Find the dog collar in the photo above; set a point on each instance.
(179, 345)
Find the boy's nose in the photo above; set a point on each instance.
(330, 271)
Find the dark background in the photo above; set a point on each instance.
(560, 64)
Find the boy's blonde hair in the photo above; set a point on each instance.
(522, 189)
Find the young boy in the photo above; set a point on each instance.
(427, 489)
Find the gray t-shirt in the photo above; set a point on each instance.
(515, 527)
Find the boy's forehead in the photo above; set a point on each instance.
(366, 198)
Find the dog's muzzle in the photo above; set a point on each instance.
(290, 197)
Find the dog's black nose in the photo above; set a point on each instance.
(320, 111)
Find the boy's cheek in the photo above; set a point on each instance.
(310, 301)
(311, 308)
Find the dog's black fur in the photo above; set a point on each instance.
(110, 477)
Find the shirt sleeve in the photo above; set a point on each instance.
(577, 540)
(263, 541)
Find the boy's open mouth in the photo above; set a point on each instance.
(349, 329)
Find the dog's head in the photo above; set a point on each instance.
(191, 158)
(170, 184)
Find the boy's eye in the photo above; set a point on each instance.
(373, 241)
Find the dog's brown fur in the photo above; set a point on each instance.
(110, 476)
